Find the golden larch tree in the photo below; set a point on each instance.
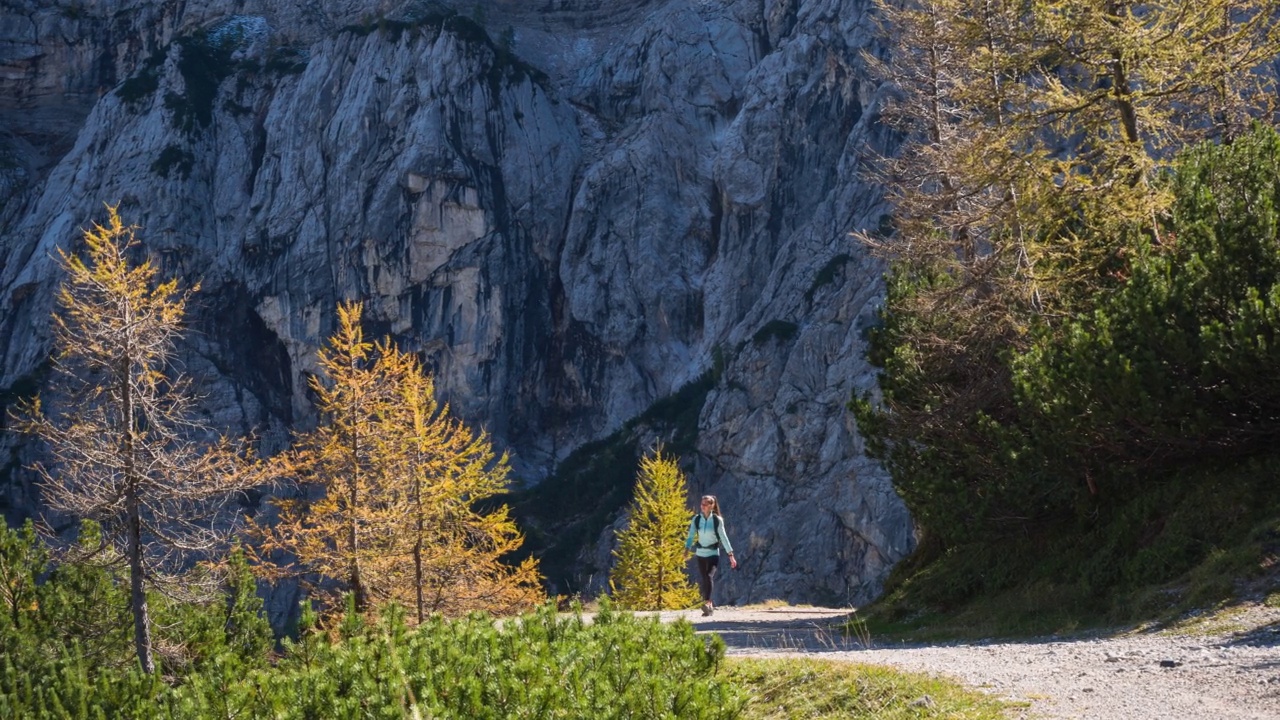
(439, 472)
(125, 447)
(397, 481)
(1033, 138)
(345, 530)
(650, 570)
(1034, 131)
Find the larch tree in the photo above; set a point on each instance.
(1034, 131)
(1034, 136)
(125, 447)
(650, 570)
(440, 471)
(397, 482)
(344, 532)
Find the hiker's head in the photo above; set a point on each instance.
(710, 505)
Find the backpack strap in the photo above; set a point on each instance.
(697, 526)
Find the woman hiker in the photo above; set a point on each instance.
(706, 534)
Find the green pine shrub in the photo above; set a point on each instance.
(204, 64)
(1176, 364)
(1108, 446)
(62, 657)
(174, 160)
(780, 330)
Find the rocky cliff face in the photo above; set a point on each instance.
(572, 209)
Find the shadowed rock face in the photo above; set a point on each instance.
(571, 209)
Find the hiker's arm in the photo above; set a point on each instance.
(724, 538)
(693, 530)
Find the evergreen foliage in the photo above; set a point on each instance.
(66, 640)
(570, 509)
(539, 666)
(143, 84)
(1168, 370)
(1174, 365)
(1034, 221)
(174, 159)
(204, 63)
(650, 570)
(780, 330)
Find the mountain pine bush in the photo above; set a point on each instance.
(214, 658)
(1172, 365)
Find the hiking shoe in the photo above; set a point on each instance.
(706, 609)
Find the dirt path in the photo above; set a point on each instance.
(1229, 669)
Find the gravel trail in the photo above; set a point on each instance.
(1227, 668)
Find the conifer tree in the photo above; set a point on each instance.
(650, 569)
(1035, 135)
(343, 532)
(398, 482)
(1034, 131)
(126, 449)
(439, 471)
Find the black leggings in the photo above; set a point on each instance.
(707, 567)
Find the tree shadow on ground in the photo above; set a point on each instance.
(784, 630)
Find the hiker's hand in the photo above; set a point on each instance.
(733, 562)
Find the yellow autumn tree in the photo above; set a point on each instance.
(438, 472)
(650, 570)
(344, 534)
(1033, 132)
(395, 482)
(126, 447)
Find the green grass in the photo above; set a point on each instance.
(1192, 542)
(778, 689)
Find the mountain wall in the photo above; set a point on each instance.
(572, 209)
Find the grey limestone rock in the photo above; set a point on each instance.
(570, 208)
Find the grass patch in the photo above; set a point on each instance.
(816, 689)
(1225, 620)
(773, 604)
(1180, 544)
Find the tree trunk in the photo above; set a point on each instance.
(137, 591)
(353, 543)
(657, 554)
(417, 556)
(353, 537)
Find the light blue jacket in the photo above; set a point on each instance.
(704, 529)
